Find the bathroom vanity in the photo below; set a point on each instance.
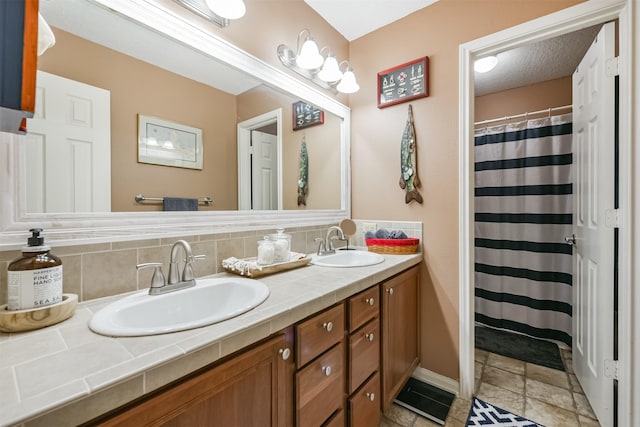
(323, 349)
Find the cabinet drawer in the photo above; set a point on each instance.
(319, 333)
(364, 353)
(364, 406)
(363, 307)
(320, 388)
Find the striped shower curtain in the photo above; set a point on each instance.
(523, 205)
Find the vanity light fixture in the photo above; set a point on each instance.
(230, 9)
(309, 63)
(485, 64)
(217, 11)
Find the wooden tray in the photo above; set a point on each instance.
(36, 318)
(265, 270)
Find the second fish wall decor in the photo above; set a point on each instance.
(409, 180)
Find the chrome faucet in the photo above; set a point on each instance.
(176, 280)
(325, 246)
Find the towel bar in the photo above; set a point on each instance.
(140, 198)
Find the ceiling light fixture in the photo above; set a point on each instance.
(230, 9)
(485, 64)
(309, 63)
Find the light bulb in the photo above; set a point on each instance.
(309, 57)
(485, 64)
(230, 9)
(348, 84)
(330, 70)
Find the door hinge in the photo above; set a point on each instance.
(611, 369)
(613, 67)
(612, 218)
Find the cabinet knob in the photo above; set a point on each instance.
(328, 326)
(390, 291)
(285, 353)
(369, 301)
(371, 396)
(370, 336)
(326, 370)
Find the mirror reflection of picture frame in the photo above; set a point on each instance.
(161, 142)
(306, 115)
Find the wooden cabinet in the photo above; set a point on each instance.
(253, 388)
(364, 359)
(400, 332)
(18, 56)
(320, 380)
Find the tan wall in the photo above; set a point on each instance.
(140, 88)
(323, 148)
(436, 31)
(549, 94)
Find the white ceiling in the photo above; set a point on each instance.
(355, 18)
(534, 63)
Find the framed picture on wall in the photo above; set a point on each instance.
(306, 115)
(161, 142)
(404, 82)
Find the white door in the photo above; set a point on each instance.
(264, 171)
(69, 147)
(593, 263)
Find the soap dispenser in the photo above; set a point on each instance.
(34, 279)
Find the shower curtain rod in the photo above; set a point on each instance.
(531, 113)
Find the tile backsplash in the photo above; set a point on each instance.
(104, 269)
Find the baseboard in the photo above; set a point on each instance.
(430, 377)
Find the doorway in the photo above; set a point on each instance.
(563, 22)
(260, 162)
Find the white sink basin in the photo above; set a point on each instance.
(347, 258)
(210, 301)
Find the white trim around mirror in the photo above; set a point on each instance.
(80, 228)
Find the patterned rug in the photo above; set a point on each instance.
(485, 414)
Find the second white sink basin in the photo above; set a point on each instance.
(210, 301)
(347, 258)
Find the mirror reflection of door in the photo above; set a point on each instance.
(259, 158)
(264, 167)
(69, 147)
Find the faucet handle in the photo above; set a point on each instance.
(187, 273)
(157, 280)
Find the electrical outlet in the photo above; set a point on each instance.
(369, 226)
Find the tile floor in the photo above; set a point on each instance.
(546, 396)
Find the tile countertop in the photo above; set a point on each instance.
(66, 374)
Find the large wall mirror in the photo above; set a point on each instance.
(114, 73)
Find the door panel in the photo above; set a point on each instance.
(70, 140)
(594, 151)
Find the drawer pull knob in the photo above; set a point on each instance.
(328, 326)
(390, 291)
(369, 301)
(285, 353)
(326, 370)
(371, 396)
(370, 336)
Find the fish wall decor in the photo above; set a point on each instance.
(409, 180)
(303, 180)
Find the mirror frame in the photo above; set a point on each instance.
(77, 228)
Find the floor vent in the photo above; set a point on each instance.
(426, 400)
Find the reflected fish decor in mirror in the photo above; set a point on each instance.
(303, 181)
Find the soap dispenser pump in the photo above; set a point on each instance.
(34, 279)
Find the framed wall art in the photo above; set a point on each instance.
(161, 142)
(306, 115)
(403, 82)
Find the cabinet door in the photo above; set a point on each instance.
(364, 406)
(254, 388)
(400, 317)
